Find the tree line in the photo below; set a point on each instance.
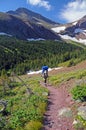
(22, 56)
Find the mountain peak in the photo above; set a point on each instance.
(25, 24)
(33, 17)
(24, 10)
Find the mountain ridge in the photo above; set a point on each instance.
(75, 31)
(30, 15)
(24, 28)
(26, 24)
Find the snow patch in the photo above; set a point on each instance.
(39, 23)
(68, 37)
(38, 39)
(82, 41)
(73, 39)
(74, 23)
(58, 29)
(40, 71)
(34, 72)
(2, 33)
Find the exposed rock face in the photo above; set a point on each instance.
(33, 17)
(24, 24)
(78, 30)
(75, 31)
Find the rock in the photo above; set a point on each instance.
(65, 112)
(75, 122)
(45, 94)
(78, 101)
(3, 105)
(82, 112)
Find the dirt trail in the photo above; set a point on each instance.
(57, 100)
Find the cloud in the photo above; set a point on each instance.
(74, 10)
(40, 3)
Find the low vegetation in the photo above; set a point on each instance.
(24, 110)
(79, 92)
(62, 77)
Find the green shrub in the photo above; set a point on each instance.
(81, 74)
(82, 121)
(79, 92)
(33, 125)
(13, 84)
(24, 109)
(68, 63)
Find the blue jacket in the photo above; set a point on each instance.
(44, 68)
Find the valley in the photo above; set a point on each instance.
(29, 41)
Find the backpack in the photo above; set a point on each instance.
(45, 72)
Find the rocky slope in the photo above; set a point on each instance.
(75, 31)
(25, 25)
(33, 17)
(28, 25)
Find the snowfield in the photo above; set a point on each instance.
(73, 39)
(58, 29)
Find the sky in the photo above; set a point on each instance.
(61, 11)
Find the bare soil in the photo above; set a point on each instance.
(79, 66)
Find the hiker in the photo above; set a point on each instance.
(45, 73)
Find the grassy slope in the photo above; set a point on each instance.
(25, 112)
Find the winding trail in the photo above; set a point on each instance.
(58, 99)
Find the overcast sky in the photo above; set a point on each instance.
(62, 11)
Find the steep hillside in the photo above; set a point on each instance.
(33, 17)
(23, 27)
